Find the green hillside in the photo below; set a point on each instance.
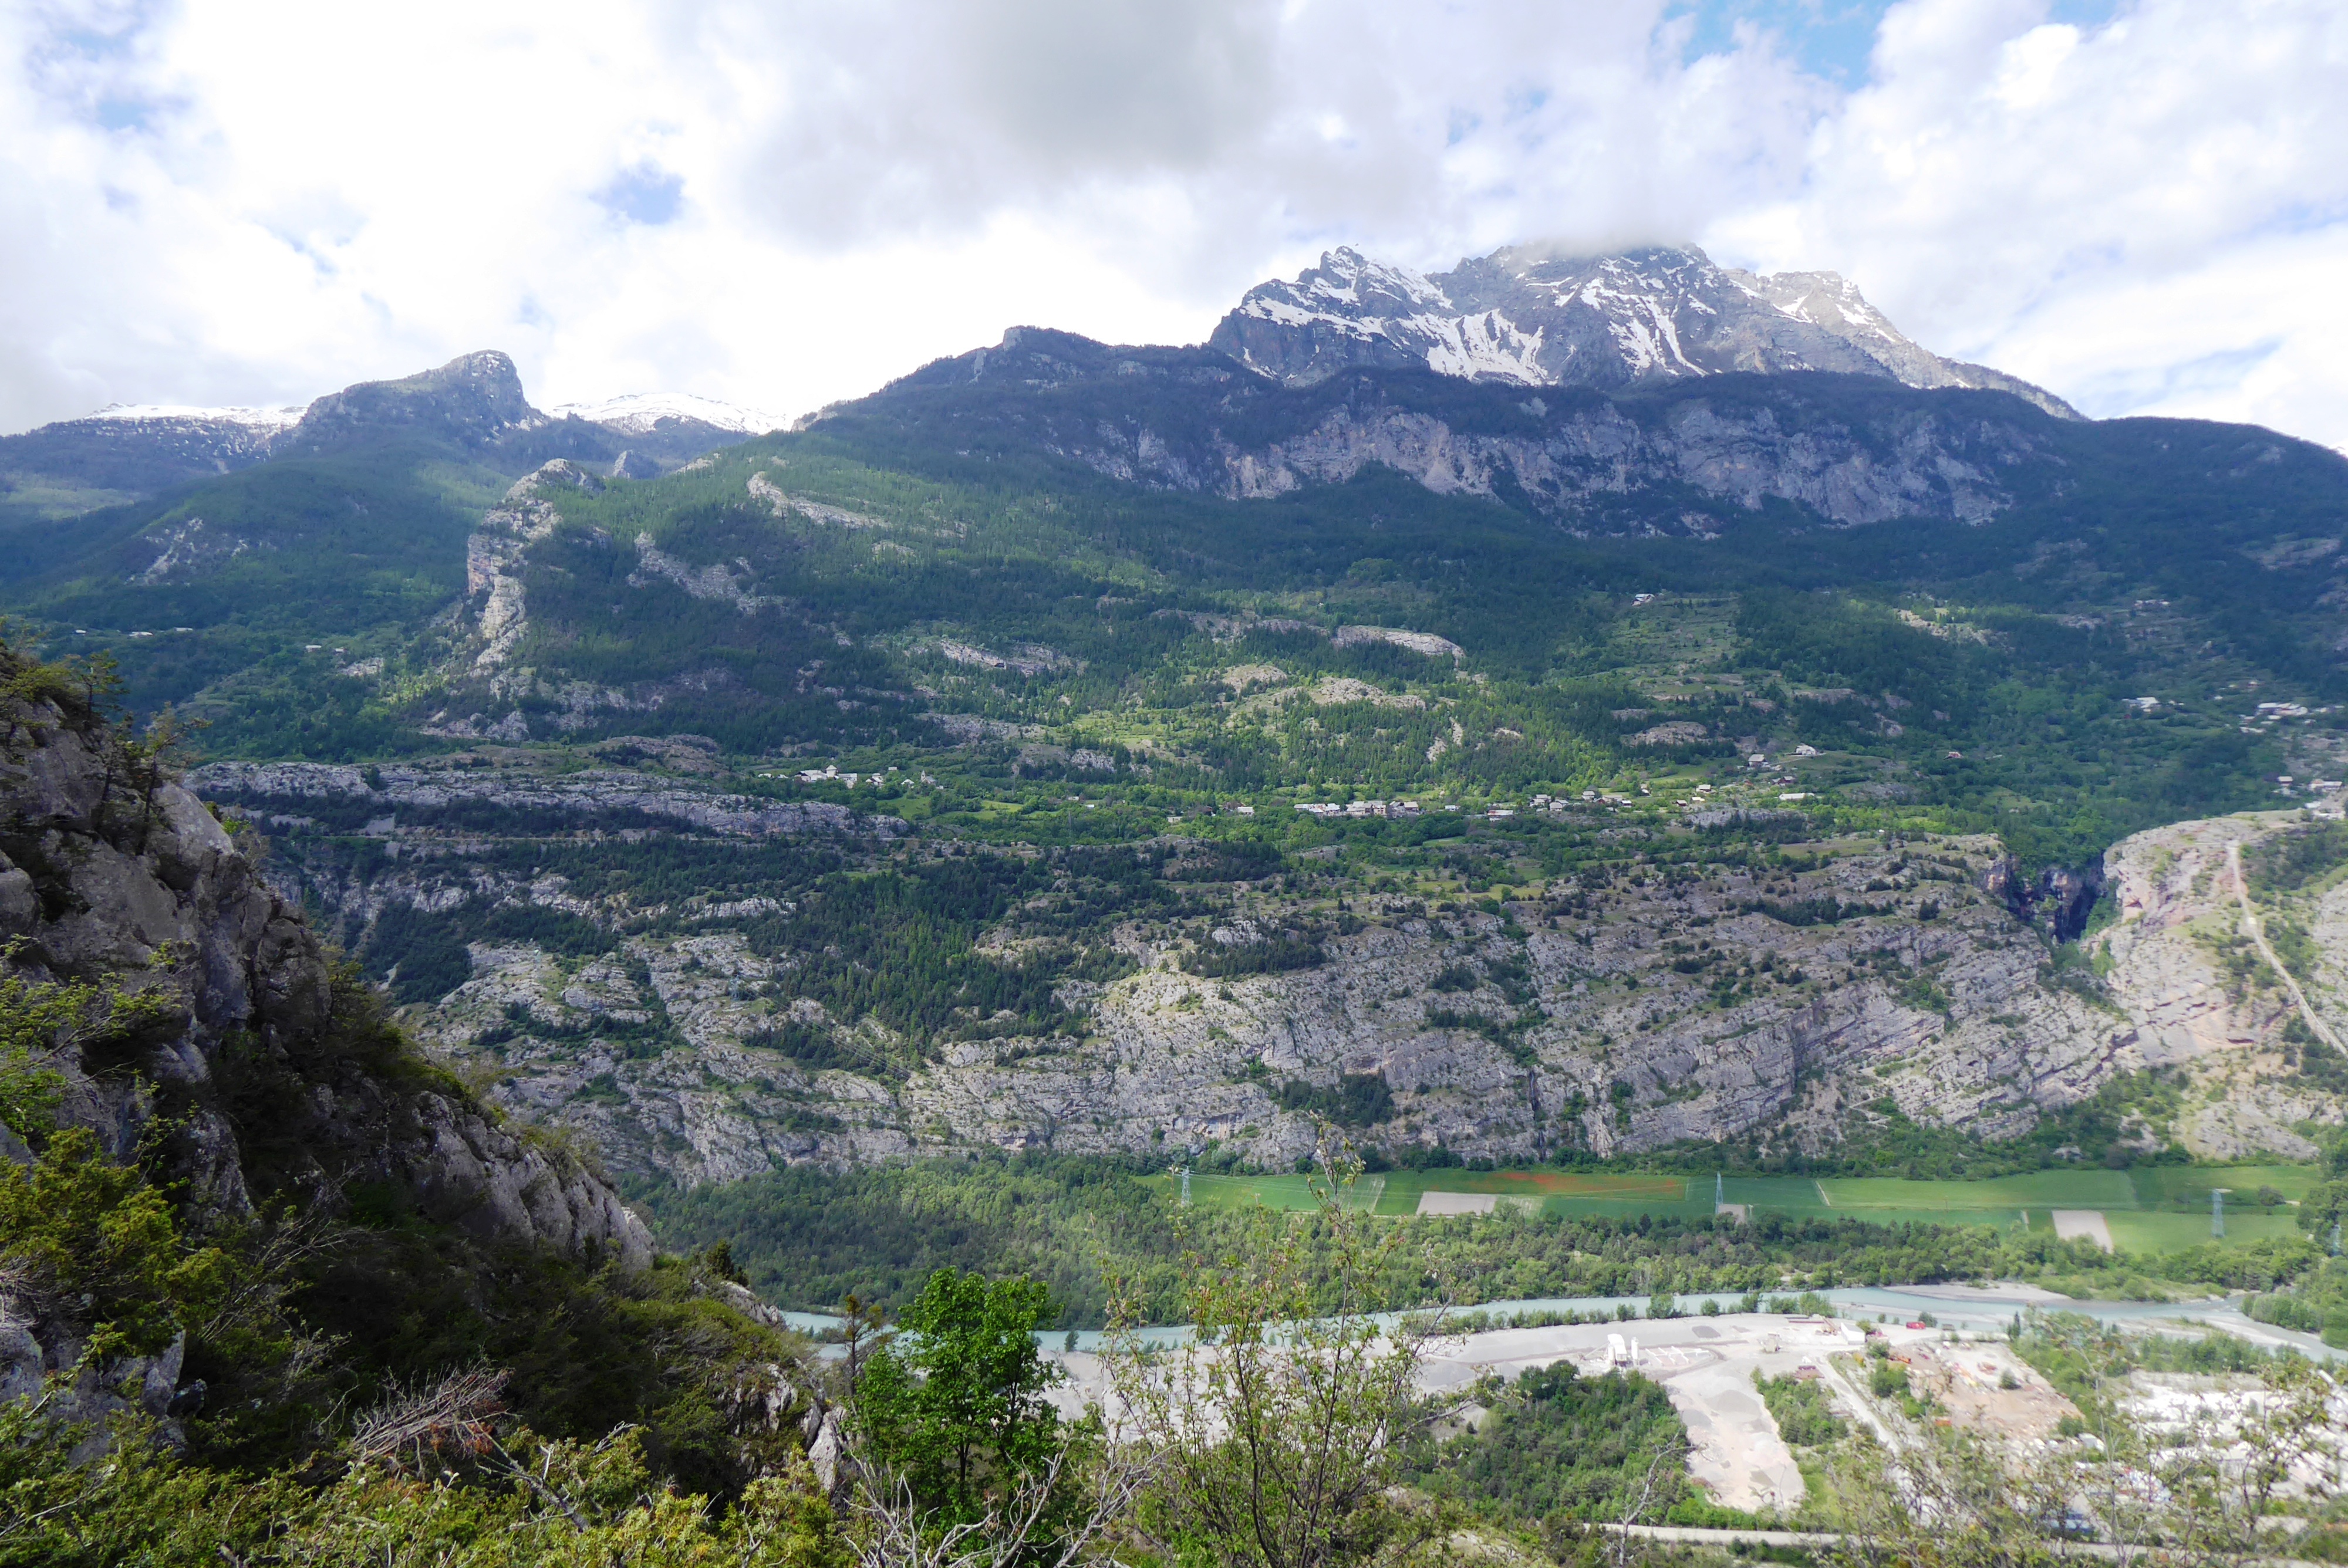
(1194, 632)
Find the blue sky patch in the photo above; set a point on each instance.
(1830, 39)
(646, 194)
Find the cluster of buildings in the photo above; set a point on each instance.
(831, 774)
(2327, 806)
(1394, 808)
(1408, 808)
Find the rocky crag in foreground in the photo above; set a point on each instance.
(232, 1052)
(1801, 998)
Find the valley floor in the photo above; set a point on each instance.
(2145, 1210)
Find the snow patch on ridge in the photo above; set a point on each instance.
(259, 418)
(1484, 344)
(1533, 316)
(638, 413)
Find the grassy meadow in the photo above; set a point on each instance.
(2151, 1209)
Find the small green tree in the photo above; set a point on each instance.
(2326, 1203)
(1280, 1423)
(45, 1025)
(962, 1459)
(39, 1023)
(955, 1406)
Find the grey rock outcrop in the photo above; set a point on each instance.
(1192, 420)
(1650, 1012)
(1575, 460)
(1528, 316)
(40, 1355)
(586, 794)
(144, 890)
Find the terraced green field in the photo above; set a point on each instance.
(2155, 1209)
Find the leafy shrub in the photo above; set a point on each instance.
(1804, 1409)
(93, 1241)
(1559, 1445)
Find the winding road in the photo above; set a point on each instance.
(2259, 936)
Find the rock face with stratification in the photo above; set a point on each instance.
(279, 1081)
(1839, 995)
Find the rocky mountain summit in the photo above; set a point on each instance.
(475, 403)
(474, 400)
(1680, 455)
(1533, 317)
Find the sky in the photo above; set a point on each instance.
(2140, 204)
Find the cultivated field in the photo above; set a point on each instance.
(2152, 1210)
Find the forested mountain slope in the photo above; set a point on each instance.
(929, 775)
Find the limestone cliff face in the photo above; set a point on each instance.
(1615, 1019)
(1190, 420)
(281, 1081)
(1924, 464)
(1661, 1002)
(2197, 995)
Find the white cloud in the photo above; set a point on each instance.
(783, 203)
(2140, 215)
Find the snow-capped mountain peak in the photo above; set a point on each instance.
(1368, 304)
(640, 413)
(1347, 276)
(1534, 316)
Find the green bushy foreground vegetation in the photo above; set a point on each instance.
(587, 1421)
(296, 1330)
